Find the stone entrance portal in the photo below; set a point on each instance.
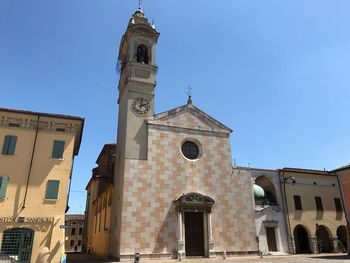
(194, 225)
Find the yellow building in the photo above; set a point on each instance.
(314, 210)
(36, 161)
(74, 233)
(98, 203)
(343, 175)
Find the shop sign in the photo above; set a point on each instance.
(27, 219)
(65, 226)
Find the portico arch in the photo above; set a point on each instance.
(323, 239)
(302, 241)
(342, 237)
(194, 224)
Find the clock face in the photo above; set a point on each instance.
(140, 106)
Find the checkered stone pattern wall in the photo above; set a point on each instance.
(149, 219)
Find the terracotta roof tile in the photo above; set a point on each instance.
(341, 168)
(307, 171)
(63, 116)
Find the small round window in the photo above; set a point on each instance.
(190, 150)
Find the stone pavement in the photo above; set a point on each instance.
(312, 258)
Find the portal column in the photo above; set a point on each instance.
(210, 234)
(180, 240)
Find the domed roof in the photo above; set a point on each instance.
(258, 191)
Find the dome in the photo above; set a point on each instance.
(258, 191)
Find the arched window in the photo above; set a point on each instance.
(142, 54)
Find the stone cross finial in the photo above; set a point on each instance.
(140, 7)
(189, 94)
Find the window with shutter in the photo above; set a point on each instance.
(318, 202)
(3, 186)
(9, 145)
(52, 189)
(297, 202)
(337, 203)
(57, 149)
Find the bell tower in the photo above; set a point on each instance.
(137, 68)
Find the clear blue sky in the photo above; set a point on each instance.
(276, 72)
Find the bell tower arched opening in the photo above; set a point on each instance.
(142, 54)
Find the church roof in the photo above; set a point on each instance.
(341, 168)
(110, 147)
(190, 117)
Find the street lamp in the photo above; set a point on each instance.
(286, 212)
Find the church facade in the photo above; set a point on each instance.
(174, 191)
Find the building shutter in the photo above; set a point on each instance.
(3, 186)
(5, 145)
(297, 202)
(12, 146)
(318, 201)
(57, 150)
(337, 203)
(52, 189)
(9, 145)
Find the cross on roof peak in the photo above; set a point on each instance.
(189, 94)
(140, 5)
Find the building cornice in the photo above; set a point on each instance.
(56, 123)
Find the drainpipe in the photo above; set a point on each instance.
(286, 213)
(70, 183)
(86, 222)
(345, 212)
(31, 162)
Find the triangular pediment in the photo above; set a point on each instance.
(268, 210)
(189, 117)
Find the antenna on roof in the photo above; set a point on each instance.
(189, 94)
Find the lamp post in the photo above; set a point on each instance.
(291, 247)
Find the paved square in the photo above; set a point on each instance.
(332, 258)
